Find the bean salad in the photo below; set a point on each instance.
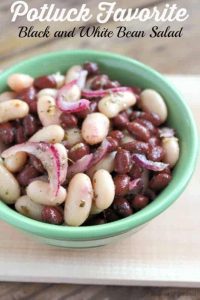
(80, 149)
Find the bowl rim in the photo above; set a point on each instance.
(113, 228)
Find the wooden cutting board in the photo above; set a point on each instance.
(165, 253)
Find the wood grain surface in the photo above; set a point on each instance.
(167, 56)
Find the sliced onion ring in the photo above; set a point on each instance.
(100, 153)
(47, 154)
(80, 165)
(70, 107)
(101, 93)
(135, 184)
(142, 161)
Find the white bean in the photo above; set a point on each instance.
(39, 192)
(47, 110)
(152, 102)
(112, 104)
(15, 163)
(9, 187)
(107, 163)
(73, 73)
(95, 128)
(6, 96)
(104, 189)
(49, 134)
(47, 92)
(25, 206)
(171, 148)
(17, 82)
(12, 110)
(59, 78)
(79, 200)
(72, 136)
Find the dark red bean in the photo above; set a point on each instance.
(7, 133)
(122, 207)
(97, 221)
(91, 67)
(116, 134)
(27, 174)
(110, 215)
(29, 96)
(53, 215)
(44, 82)
(99, 82)
(68, 120)
(36, 163)
(139, 201)
(120, 121)
(155, 153)
(152, 117)
(78, 151)
(139, 131)
(147, 124)
(136, 172)
(121, 185)
(113, 144)
(150, 194)
(160, 181)
(20, 135)
(154, 141)
(112, 84)
(136, 147)
(30, 125)
(93, 108)
(122, 161)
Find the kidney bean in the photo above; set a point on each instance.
(122, 161)
(139, 131)
(7, 133)
(139, 201)
(116, 134)
(36, 163)
(136, 147)
(154, 141)
(68, 120)
(148, 125)
(20, 135)
(91, 67)
(135, 115)
(53, 215)
(30, 125)
(135, 172)
(43, 82)
(121, 184)
(99, 82)
(113, 144)
(28, 173)
(98, 221)
(29, 96)
(93, 108)
(160, 181)
(78, 151)
(122, 207)
(152, 117)
(112, 84)
(155, 153)
(150, 194)
(110, 215)
(120, 121)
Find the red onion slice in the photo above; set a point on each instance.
(101, 93)
(70, 107)
(135, 184)
(166, 132)
(142, 161)
(47, 154)
(80, 165)
(100, 153)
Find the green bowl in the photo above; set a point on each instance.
(128, 72)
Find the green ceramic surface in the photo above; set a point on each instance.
(128, 72)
